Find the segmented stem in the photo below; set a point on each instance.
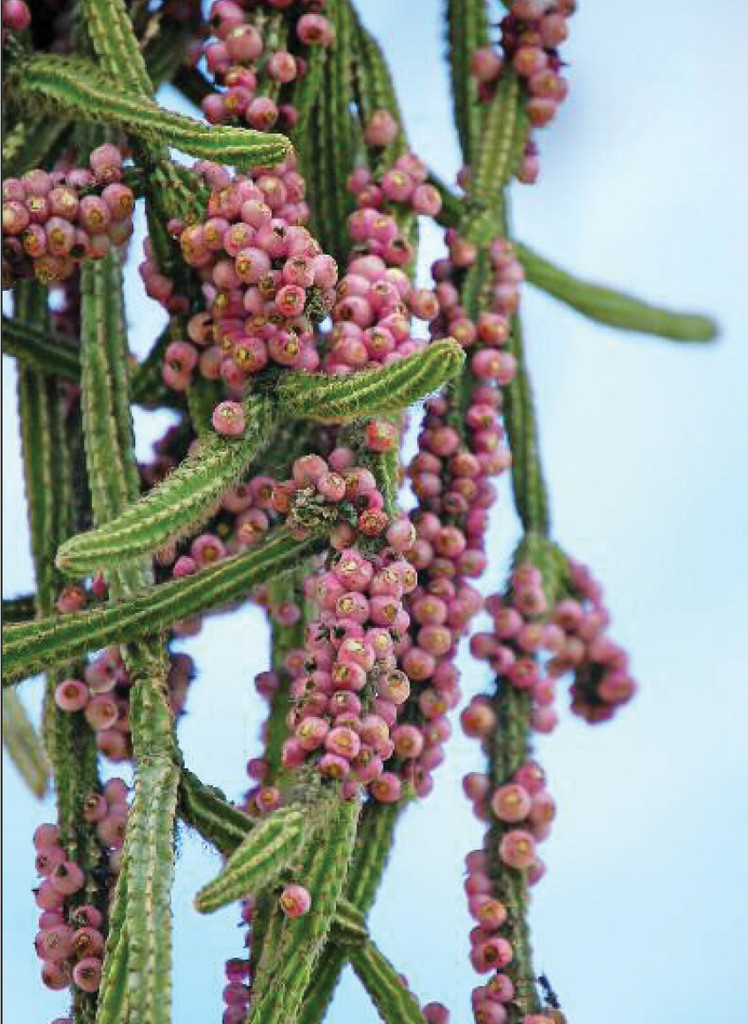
(260, 857)
(528, 483)
(504, 133)
(29, 143)
(186, 498)
(30, 648)
(46, 447)
(45, 351)
(608, 306)
(394, 1002)
(205, 809)
(116, 44)
(467, 31)
(301, 941)
(371, 852)
(76, 88)
(23, 745)
(144, 936)
(377, 392)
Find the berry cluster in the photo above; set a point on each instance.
(264, 279)
(70, 941)
(375, 297)
(530, 36)
(520, 801)
(54, 220)
(239, 58)
(103, 697)
(513, 649)
(602, 682)
(571, 636)
(346, 689)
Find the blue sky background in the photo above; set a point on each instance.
(642, 916)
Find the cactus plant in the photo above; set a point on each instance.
(298, 350)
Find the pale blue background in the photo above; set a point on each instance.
(642, 916)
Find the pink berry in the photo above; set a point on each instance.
(517, 849)
(71, 695)
(511, 803)
(387, 788)
(67, 878)
(55, 975)
(295, 901)
(228, 419)
(101, 711)
(87, 974)
(436, 1013)
(381, 129)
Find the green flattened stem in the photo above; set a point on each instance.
(378, 392)
(23, 745)
(45, 351)
(528, 483)
(370, 855)
(467, 31)
(31, 647)
(504, 133)
(335, 141)
(77, 89)
(394, 1002)
(136, 983)
(206, 810)
(348, 925)
(296, 950)
(260, 857)
(50, 353)
(28, 143)
(116, 44)
(612, 307)
(177, 505)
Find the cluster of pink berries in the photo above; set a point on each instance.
(513, 649)
(336, 490)
(375, 298)
(346, 689)
(237, 991)
(103, 697)
(451, 480)
(521, 801)
(602, 682)
(404, 184)
(530, 36)
(262, 273)
(16, 16)
(491, 331)
(237, 58)
(51, 226)
(70, 941)
(571, 636)
(333, 492)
